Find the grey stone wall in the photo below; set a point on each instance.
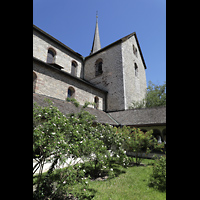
(135, 86)
(64, 58)
(111, 79)
(118, 76)
(55, 83)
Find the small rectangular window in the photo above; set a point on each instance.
(98, 67)
(136, 69)
(135, 51)
(74, 68)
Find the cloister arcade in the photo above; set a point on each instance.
(159, 132)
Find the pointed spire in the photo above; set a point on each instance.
(96, 42)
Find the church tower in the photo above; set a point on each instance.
(119, 69)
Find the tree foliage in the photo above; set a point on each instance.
(155, 96)
(139, 142)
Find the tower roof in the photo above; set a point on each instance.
(96, 42)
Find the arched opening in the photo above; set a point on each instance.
(96, 102)
(51, 54)
(71, 92)
(98, 67)
(74, 68)
(34, 81)
(157, 135)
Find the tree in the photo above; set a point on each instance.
(155, 96)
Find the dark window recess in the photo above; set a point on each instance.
(135, 51)
(74, 68)
(136, 70)
(98, 67)
(96, 101)
(50, 56)
(71, 92)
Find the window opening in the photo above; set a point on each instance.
(51, 56)
(74, 68)
(135, 51)
(136, 70)
(96, 101)
(70, 92)
(98, 67)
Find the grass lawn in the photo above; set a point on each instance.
(130, 184)
(133, 184)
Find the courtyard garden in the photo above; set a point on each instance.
(105, 171)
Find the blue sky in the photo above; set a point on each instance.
(73, 23)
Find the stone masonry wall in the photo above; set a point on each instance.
(111, 79)
(64, 58)
(135, 86)
(55, 83)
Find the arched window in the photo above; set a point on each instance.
(71, 92)
(74, 68)
(34, 81)
(98, 67)
(136, 69)
(51, 55)
(96, 101)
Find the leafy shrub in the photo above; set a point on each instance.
(56, 137)
(158, 178)
(138, 142)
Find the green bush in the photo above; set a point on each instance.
(56, 137)
(158, 178)
(139, 142)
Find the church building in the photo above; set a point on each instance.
(112, 77)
